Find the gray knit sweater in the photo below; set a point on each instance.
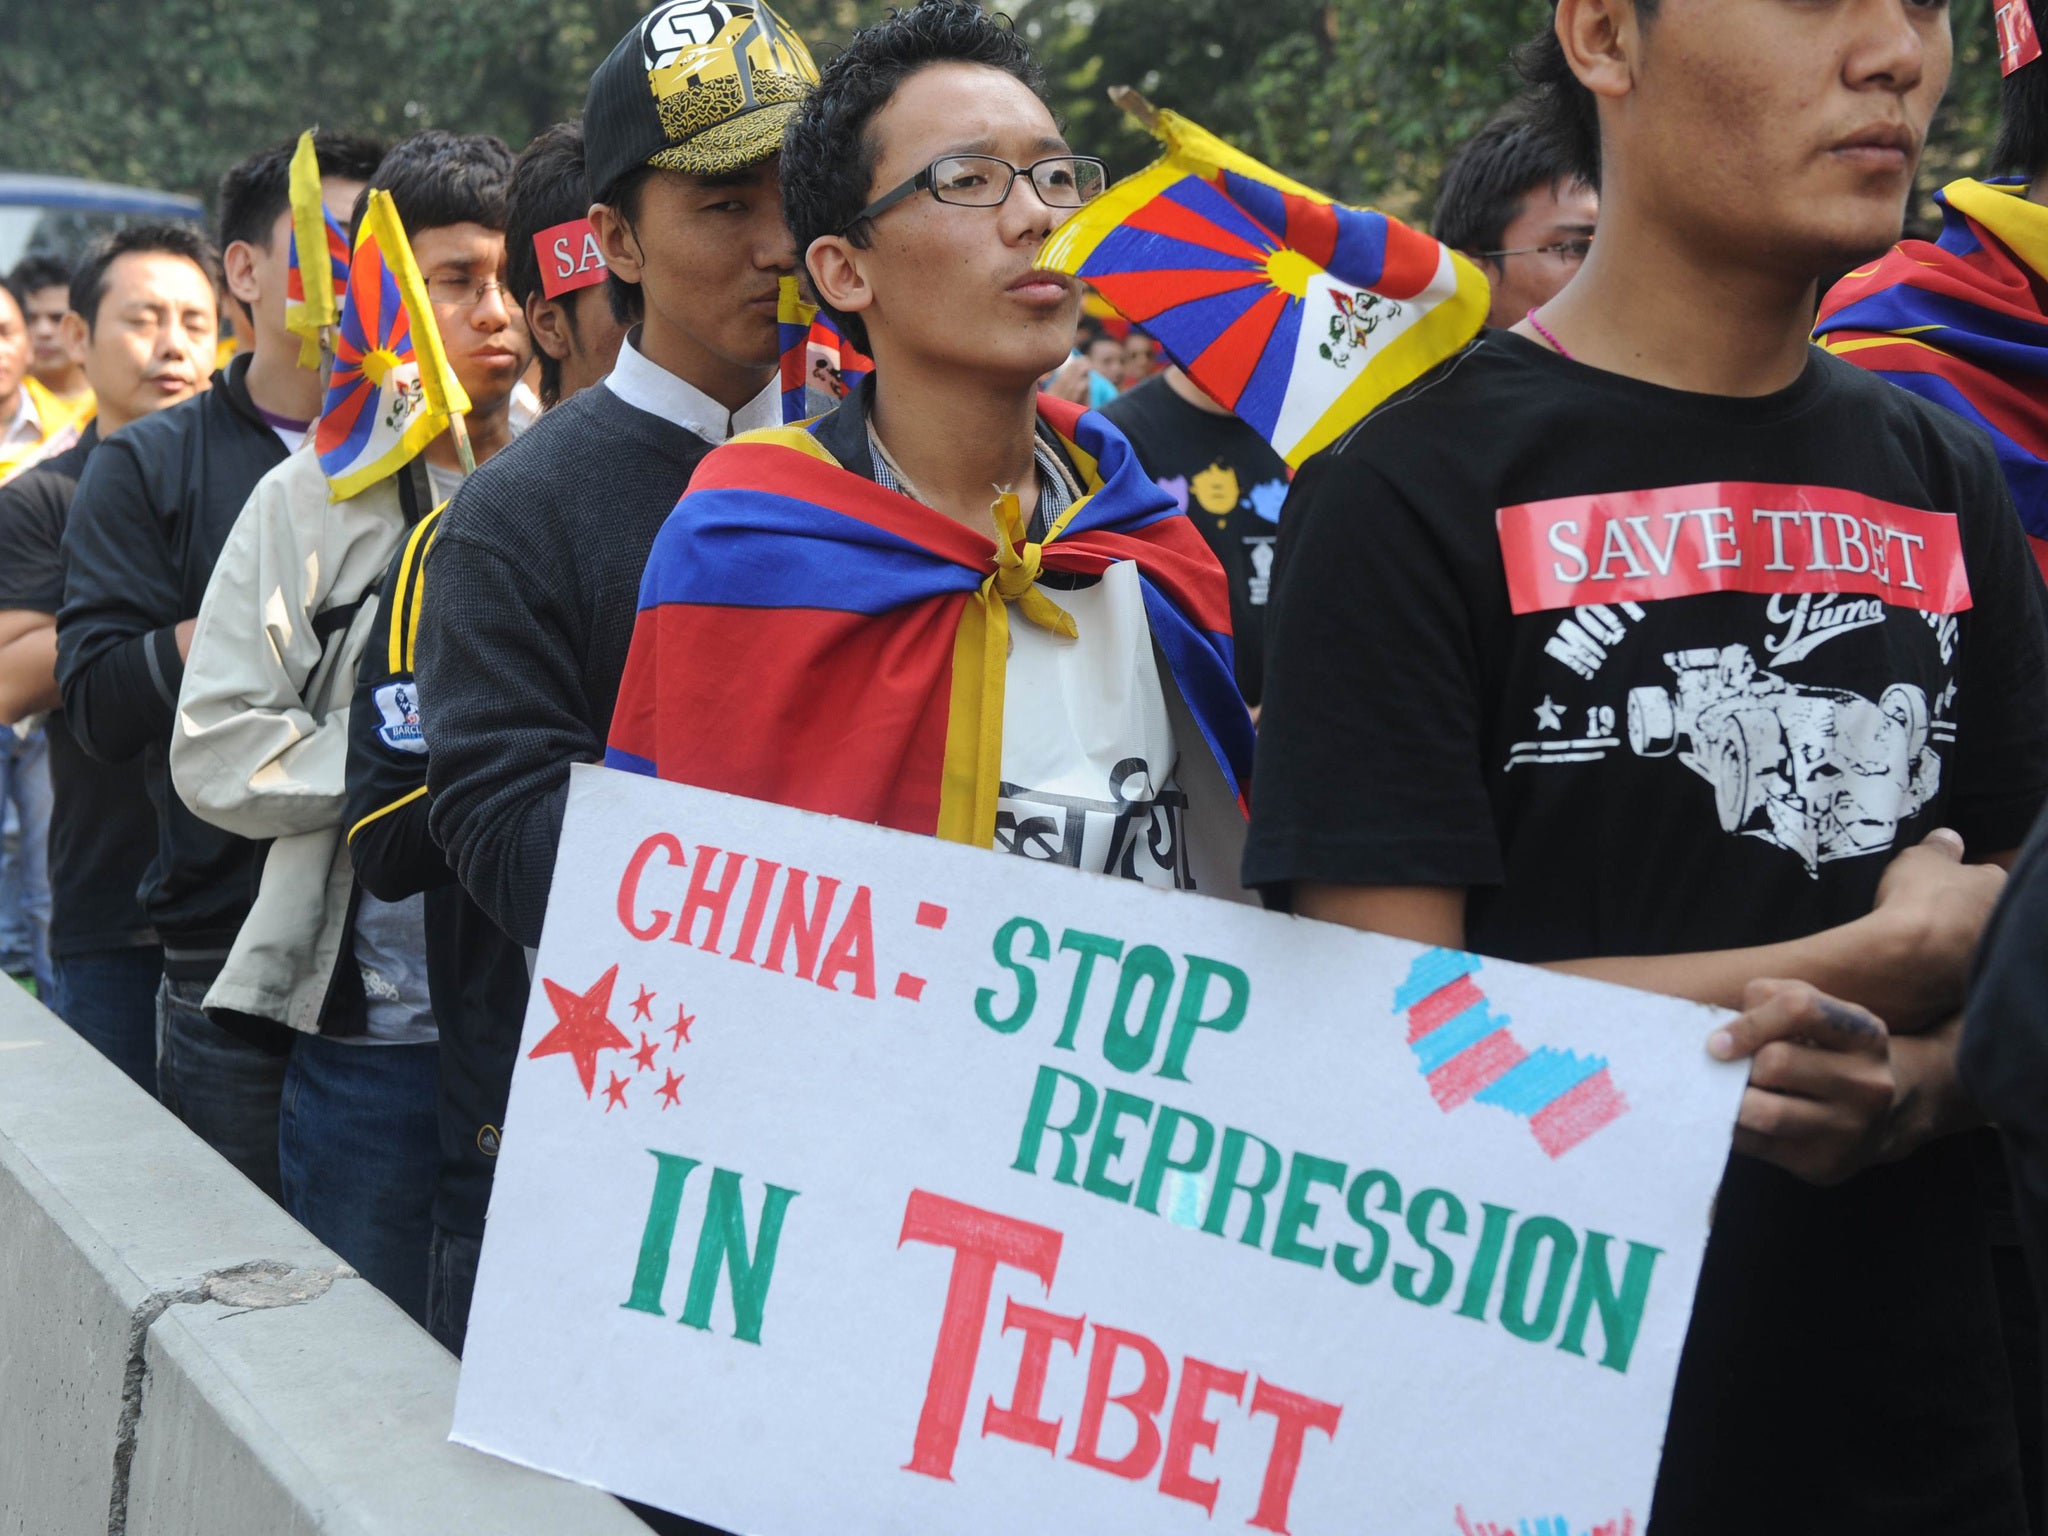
(523, 634)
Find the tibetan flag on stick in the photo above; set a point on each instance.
(392, 391)
(312, 286)
(1295, 312)
(818, 364)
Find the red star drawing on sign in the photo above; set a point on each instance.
(681, 1028)
(669, 1089)
(643, 1006)
(643, 1059)
(615, 1093)
(582, 1030)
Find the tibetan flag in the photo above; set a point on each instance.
(312, 290)
(1297, 313)
(392, 391)
(1960, 322)
(876, 632)
(818, 364)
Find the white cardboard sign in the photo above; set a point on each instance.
(855, 1182)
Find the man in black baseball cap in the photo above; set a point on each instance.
(682, 130)
(700, 86)
(528, 607)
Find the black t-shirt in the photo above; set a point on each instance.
(1651, 672)
(1230, 483)
(102, 830)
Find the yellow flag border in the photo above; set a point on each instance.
(320, 306)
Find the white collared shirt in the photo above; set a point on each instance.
(651, 388)
(27, 426)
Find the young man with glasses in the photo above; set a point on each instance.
(1034, 639)
(1512, 201)
(1737, 752)
(260, 751)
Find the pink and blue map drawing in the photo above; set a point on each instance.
(1468, 1054)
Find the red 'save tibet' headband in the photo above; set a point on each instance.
(569, 258)
(2018, 43)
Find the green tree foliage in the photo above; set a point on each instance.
(1362, 99)
(168, 94)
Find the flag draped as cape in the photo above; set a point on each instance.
(1960, 322)
(810, 638)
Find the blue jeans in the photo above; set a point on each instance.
(25, 872)
(109, 997)
(451, 1282)
(224, 1087)
(359, 1146)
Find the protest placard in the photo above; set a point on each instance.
(855, 1182)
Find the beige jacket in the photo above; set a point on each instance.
(260, 748)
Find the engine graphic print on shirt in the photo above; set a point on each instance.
(1792, 647)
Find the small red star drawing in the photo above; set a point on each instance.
(615, 1093)
(643, 1059)
(643, 1006)
(669, 1089)
(582, 1030)
(681, 1028)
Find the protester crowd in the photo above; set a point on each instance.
(288, 767)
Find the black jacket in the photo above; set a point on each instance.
(154, 506)
(524, 631)
(476, 977)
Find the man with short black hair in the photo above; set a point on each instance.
(146, 325)
(962, 516)
(554, 266)
(261, 741)
(1647, 641)
(153, 507)
(44, 284)
(1511, 200)
(523, 629)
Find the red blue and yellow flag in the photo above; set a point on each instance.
(1961, 322)
(818, 364)
(1295, 312)
(312, 290)
(876, 632)
(392, 391)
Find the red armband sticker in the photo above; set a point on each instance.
(569, 258)
(1729, 536)
(2018, 43)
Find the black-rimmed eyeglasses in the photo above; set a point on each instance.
(1570, 250)
(983, 181)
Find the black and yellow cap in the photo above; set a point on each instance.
(703, 86)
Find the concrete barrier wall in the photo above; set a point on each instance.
(180, 1358)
